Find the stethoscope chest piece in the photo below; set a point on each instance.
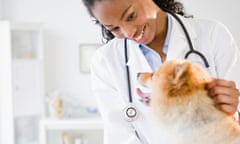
(130, 113)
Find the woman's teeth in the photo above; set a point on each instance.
(139, 37)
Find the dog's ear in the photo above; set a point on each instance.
(180, 73)
(145, 78)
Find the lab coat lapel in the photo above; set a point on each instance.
(137, 61)
(178, 45)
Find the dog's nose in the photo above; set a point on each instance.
(138, 75)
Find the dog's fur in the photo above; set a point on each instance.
(180, 101)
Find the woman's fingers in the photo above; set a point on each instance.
(229, 109)
(225, 95)
(221, 82)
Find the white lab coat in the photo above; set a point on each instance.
(110, 84)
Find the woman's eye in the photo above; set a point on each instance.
(131, 16)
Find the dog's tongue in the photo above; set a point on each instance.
(141, 94)
(144, 97)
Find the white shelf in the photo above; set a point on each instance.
(72, 124)
(27, 26)
(81, 124)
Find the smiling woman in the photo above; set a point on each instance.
(148, 34)
(132, 20)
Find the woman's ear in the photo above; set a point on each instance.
(145, 78)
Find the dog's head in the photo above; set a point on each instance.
(174, 83)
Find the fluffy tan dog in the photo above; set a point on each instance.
(179, 100)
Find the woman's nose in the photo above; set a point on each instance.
(129, 32)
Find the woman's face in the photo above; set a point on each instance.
(139, 20)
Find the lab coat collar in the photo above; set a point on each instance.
(178, 45)
(186, 22)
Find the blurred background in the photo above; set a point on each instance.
(49, 98)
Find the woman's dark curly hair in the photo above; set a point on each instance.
(170, 5)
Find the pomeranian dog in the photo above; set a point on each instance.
(180, 101)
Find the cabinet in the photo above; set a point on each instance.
(81, 131)
(31, 126)
(27, 81)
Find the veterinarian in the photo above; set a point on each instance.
(141, 35)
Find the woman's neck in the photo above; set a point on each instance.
(158, 42)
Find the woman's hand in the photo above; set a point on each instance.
(225, 94)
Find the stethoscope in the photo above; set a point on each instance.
(130, 111)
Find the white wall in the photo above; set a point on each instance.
(1, 9)
(224, 11)
(67, 24)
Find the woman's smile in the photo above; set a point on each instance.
(141, 37)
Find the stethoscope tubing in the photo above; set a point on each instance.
(192, 51)
(130, 112)
(127, 71)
